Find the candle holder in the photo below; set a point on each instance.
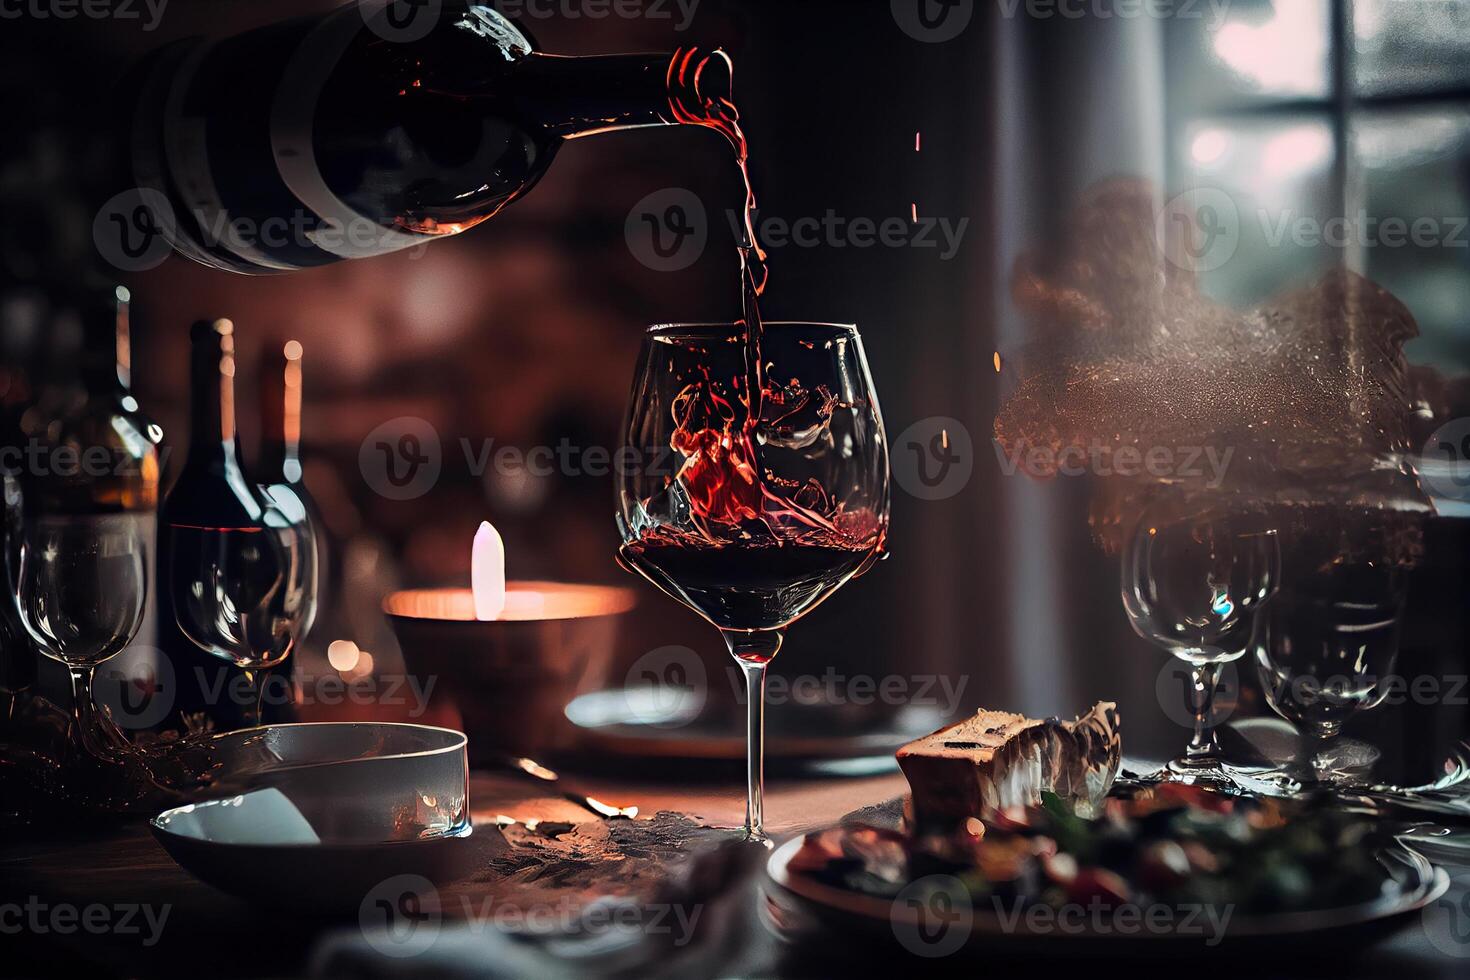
(507, 681)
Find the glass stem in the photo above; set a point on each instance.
(754, 650)
(257, 688)
(1204, 746)
(91, 734)
(1316, 740)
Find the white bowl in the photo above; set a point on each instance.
(318, 815)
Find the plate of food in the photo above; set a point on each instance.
(1015, 841)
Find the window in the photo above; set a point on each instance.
(1340, 130)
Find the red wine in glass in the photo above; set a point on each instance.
(762, 585)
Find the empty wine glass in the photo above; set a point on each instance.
(241, 593)
(1195, 585)
(752, 484)
(80, 581)
(1326, 645)
(240, 568)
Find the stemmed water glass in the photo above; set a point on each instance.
(79, 581)
(1324, 649)
(1195, 583)
(752, 510)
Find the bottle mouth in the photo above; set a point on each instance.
(205, 329)
(701, 85)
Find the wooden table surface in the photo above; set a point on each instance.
(209, 933)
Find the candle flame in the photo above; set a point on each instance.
(487, 573)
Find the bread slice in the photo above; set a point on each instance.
(998, 759)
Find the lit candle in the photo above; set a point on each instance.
(487, 573)
(507, 656)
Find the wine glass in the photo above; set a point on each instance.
(1325, 645)
(242, 593)
(752, 509)
(79, 581)
(1195, 584)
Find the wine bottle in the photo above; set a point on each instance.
(350, 134)
(20, 311)
(213, 514)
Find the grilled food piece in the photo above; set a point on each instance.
(997, 759)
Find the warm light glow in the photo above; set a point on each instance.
(343, 655)
(226, 331)
(997, 362)
(1300, 150)
(1284, 53)
(124, 336)
(524, 602)
(1209, 146)
(291, 422)
(487, 573)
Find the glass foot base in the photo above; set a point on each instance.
(1223, 777)
(1345, 760)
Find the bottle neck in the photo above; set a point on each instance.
(101, 362)
(212, 434)
(574, 97)
(280, 401)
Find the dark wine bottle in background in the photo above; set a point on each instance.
(363, 131)
(21, 312)
(212, 496)
(280, 471)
